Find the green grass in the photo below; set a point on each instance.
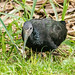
(12, 62)
(53, 6)
(65, 7)
(16, 65)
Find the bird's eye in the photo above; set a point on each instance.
(30, 28)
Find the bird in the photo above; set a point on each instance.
(44, 34)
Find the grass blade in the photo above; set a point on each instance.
(6, 30)
(33, 8)
(3, 43)
(8, 34)
(53, 6)
(45, 12)
(12, 12)
(65, 4)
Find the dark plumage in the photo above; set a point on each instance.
(44, 34)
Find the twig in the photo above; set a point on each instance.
(70, 16)
(71, 36)
(42, 6)
(57, 3)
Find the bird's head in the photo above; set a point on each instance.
(27, 28)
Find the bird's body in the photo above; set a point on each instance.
(46, 35)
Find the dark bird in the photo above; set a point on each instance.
(44, 34)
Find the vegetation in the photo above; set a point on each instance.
(11, 61)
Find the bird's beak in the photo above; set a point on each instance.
(25, 39)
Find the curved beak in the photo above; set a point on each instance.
(25, 39)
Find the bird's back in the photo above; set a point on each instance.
(47, 34)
